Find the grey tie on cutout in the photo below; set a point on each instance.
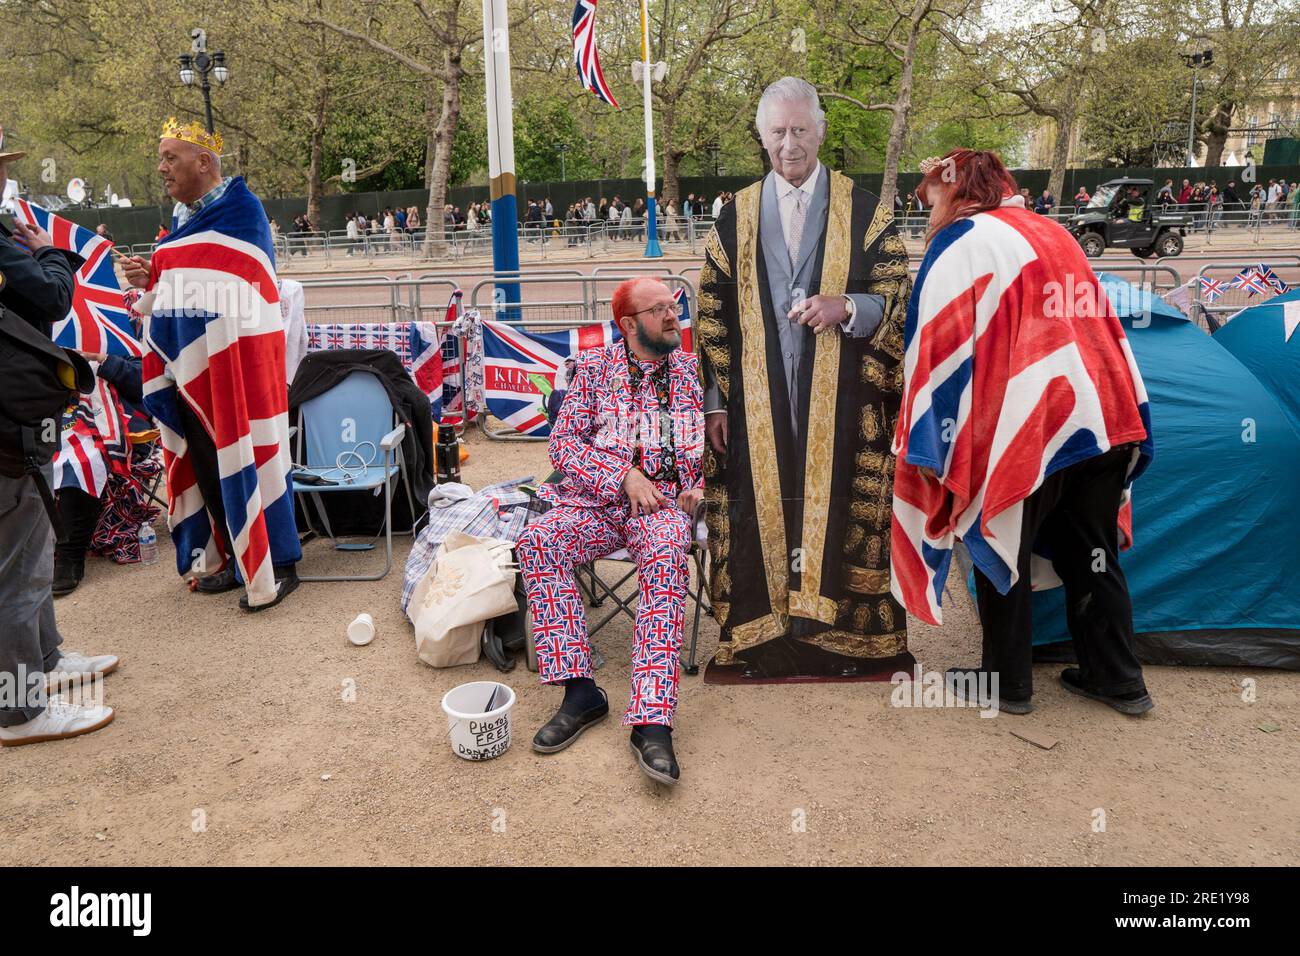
(795, 238)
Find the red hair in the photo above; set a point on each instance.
(621, 304)
(980, 182)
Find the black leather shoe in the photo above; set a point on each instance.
(960, 679)
(67, 575)
(283, 588)
(655, 758)
(563, 729)
(1134, 704)
(220, 582)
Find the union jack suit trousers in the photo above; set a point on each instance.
(567, 536)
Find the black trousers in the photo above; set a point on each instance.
(1073, 516)
(79, 513)
(203, 455)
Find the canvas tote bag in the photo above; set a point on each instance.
(471, 581)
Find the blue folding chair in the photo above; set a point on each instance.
(346, 432)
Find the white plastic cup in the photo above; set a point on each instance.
(477, 733)
(362, 630)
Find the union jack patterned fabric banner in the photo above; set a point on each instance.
(412, 342)
(98, 321)
(585, 55)
(216, 341)
(94, 442)
(517, 363)
(520, 367)
(1015, 367)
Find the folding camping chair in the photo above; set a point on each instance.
(596, 590)
(344, 431)
(145, 438)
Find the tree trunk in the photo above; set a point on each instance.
(902, 108)
(1061, 150)
(1216, 134)
(315, 168)
(672, 158)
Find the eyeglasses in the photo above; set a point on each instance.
(660, 311)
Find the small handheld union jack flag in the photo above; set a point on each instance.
(585, 56)
(99, 320)
(1271, 278)
(1211, 288)
(1250, 280)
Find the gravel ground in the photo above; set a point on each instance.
(235, 743)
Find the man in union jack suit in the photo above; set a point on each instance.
(629, 439)
(214, 376)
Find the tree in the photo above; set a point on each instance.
(907, 25)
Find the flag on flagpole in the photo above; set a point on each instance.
(98, 320)
(1211, 288)
(585, 55)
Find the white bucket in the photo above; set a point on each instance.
(477, 733)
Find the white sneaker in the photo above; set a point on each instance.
(58, 721)
(75, 668)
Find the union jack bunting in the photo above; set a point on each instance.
(216, 342)
(585, 56)
(1015, 366)
(98, 320)
(414, 343)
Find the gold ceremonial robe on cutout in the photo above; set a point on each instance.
(799, 528)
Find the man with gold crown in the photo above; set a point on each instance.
(803, 297)
(214, 376)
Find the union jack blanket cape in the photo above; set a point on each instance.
(216, 342)
(1015, 367)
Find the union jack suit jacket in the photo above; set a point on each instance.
(600, 423)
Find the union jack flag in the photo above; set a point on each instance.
(215, 326)
(512, 355)
(426, 366)
(585, 56)
(98, 320)
(1211, 288)
(1015, 367)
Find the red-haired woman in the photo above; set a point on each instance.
(1023, 421)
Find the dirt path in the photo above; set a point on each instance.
(231, 721)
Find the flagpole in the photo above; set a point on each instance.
(501, 154)
(652, 250)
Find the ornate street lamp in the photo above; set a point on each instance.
(201, 65)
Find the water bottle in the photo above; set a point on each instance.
(148, 544)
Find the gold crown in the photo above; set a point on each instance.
(191, 132)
